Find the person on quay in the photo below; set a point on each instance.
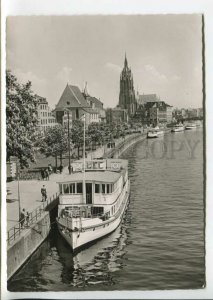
(42, 174)
(61, 168)
(44, 193)
(27, 219)
(22, 218)
(50, 169)
(47, 174)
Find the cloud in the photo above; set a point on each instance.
(155, 73)
(65, 74)
(24, 77)
(113, 67)
(175, 77)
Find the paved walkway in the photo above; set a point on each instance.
(30, 195)
(30, 190)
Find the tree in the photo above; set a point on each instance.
(55, 142)
(21, 120)
(77, 135)
(96, 133)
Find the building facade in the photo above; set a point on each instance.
(96, 110)
(160, 113)
(74, 104)
(46, 118)
(116, 115)
(127, 99)
(154, 112)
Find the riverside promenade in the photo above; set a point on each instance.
(30, 190)
(23, 241)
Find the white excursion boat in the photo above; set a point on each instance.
(191, 126)
(92, 200)
(178, 128)
(155, 132)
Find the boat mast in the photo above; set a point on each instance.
(84, 185)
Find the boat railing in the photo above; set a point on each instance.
(78, 213)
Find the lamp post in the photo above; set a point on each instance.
(69, 167)
(84, 148)
(19, 199)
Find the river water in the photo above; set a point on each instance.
(160, 243)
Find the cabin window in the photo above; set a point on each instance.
(109, 188)
(103, 188)
(66, 189)
(72, 188)
(97, 188)
(112, 211)
(60, 188)
(79, 188)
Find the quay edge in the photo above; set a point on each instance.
(22, 249)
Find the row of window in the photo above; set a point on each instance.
(104, 188)
(94, 116)
(45, 114)
(43, 106)
(77, 188)
(71, 188)
(46, 121)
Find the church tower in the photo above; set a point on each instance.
(127, 98)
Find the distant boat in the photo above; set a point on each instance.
(155, 132)
(191, 126)
(178, 128)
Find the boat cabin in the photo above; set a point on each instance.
(93, 191)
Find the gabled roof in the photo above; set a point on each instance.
(96, 101)
(71, 97)
(143, 99)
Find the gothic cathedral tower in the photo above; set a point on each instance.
(127, 98)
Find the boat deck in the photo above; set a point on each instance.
(107, 175)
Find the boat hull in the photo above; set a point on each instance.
(152, 136)
(80, 238)
(178, 129)
(191, 127)
(155, 134)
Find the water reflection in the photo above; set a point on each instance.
(95, 264)
(160, 243)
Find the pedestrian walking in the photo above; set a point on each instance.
(47, 174)
(42, 174)
(22, 218)
(61, 168)
(27, 219)
(50, 169)
(44, 193)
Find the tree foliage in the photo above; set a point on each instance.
(55, 141)
(96, 132)
(21, 120)
(77, 135)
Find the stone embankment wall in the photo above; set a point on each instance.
(123, 146)
(28, 242)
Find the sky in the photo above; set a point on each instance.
(164, 53)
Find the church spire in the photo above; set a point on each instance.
(125, 62)
(85, 90)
